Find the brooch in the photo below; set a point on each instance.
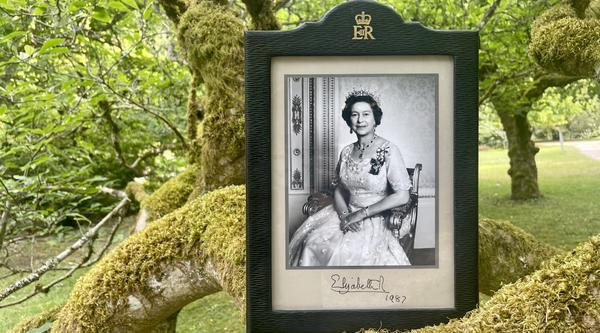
(377, 162)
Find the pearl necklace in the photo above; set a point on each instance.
(362, 148)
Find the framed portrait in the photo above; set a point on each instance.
(362, 173)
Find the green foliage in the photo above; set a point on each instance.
(558, 107)
(491, 133)
(86, 89)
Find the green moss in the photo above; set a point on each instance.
(173, 8)
(224, 237)
(193, 111)
(212, 37)
(37, 320)
(565, 43)
(507, 253)
(562, 296)
(212, 226)
(223, 146)
(136, 190)
(172, 194)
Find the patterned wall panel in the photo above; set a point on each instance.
(311, 115)
(324, 134)
(299, 107)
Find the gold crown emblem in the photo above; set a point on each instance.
(363, 19)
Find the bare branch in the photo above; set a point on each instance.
(4, 222)
(114, 137)
(46, 288)
(281, 4)
(148, 110)
(151, 153)
(53, 262)
(488, 14)
(499, 81)
(113, 192)
(113, 232)
(114, 132)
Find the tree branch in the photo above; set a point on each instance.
(263, 17)
(116, 142)
(146, 109)
(4, 222)
(499, 81)
(46, 288)
(114, 132)
(152, 152)
(53, 262)
(113, 192)
(488, 14)
(547, 80)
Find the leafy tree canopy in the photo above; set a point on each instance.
(92, 93)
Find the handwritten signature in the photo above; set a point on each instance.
(344, 285)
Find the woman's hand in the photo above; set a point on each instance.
(353, 221)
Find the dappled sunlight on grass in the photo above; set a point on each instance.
(568, 212)
(215, 313)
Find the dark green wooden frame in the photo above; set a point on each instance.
(332, 36)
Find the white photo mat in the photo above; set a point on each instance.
(407, 288)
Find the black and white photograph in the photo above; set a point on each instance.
(361, 170)
(362, 155)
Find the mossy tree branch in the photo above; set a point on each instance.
(263, 15)
(174, 9)
(197, 250)
(566, 39)
(562, 296)
(171, 195)
(211, 36)
(200, 249)
(507, 253)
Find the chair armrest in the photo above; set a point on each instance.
(398, 219)
(401, 211)
(316, 202)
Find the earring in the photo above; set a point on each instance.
(351, 131)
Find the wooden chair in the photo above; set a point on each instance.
(401, 220)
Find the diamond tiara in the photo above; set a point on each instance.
(363, 92)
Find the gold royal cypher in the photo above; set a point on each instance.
(362, 29)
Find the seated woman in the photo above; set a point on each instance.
(371, 178)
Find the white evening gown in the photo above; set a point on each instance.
(319, 240)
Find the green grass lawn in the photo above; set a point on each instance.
(569, 211)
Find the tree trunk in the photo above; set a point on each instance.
(521, 151)
(263, 17)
